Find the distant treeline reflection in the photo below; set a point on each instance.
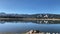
(33, 21)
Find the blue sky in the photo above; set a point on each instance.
(30, 6)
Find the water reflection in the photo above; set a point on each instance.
(34, 21)
(48, 22)
(25, 26)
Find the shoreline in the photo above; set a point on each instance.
(26, 19)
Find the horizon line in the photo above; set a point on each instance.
(27, 13)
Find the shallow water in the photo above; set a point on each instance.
(24, 26)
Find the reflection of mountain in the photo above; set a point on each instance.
(47, 22)
(34, 21)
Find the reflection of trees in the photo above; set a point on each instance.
(2, 22)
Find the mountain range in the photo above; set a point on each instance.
(4, 15)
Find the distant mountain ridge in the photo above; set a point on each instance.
(4, 15)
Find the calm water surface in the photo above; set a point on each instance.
(26, 26)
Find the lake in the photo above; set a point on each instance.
(25, 26)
